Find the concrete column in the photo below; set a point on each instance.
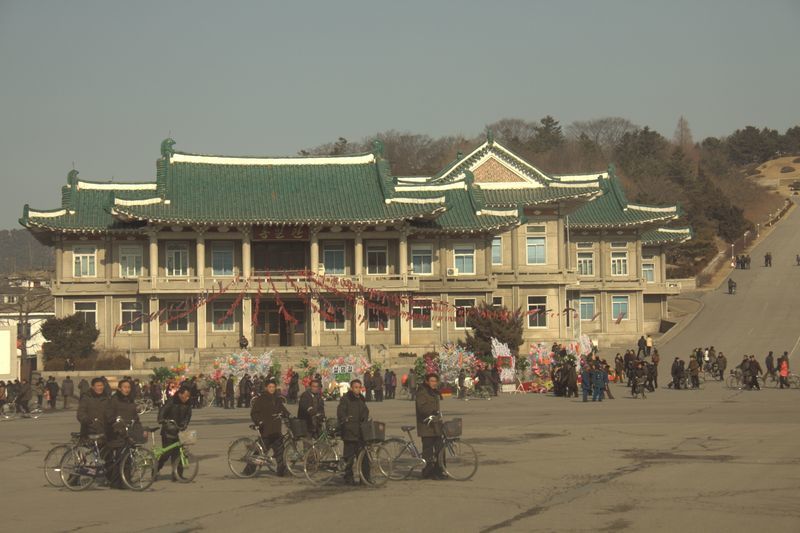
(487, 256)
(200, 252)
(443, 259)
(358, 254)
(109, 322)
(59, 259)
(562, 255)
(638, 261)
(314, 253)
(403, 253)
(405, 324)
(605, 312)
(515, 251)
(602, 258)
(315, 319)
(108, 261)
(153, 269)
(359, 322)
(247, 318)
(154, 326)
(663, 267)
(444, 329)
(201, 326)
(247, 262)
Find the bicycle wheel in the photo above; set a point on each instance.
(403, 460)
(320, 464)
(52, 465)
(294, 452)
(78, 468)
(185, 467)
(459, 460)
(732, 382)
(794, 381)
(244, 457)
(374, 465)
(138, 469)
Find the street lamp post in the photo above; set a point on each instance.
(733, 257)
(758, 230)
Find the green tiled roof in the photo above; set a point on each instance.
(522, 197)
(612, 209)
(666, 235)
(462, 215)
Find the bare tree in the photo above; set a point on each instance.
(26, 294)
(604, 132)
(683, 135)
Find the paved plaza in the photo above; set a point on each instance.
(708, 460)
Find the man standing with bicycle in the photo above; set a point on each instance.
(350, 414)
(122, 417)
(429, 426)
(174, 417)
(312, 407)
(266, 413)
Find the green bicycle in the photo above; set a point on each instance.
(185, 466)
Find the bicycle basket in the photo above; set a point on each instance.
(373, 431)
(298, 427)
(452, 428)
(188, 436)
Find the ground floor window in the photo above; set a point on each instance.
(421, 314)
(87, 311)
(335, 319)
(177, 319)
(537, 311)
(377, 320)
(587, 307)
(131, 317)
(463, 307)
(619, 307)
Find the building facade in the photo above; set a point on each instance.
(221, 247)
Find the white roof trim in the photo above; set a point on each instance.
(523, 162)
(83, 185)
(278, 161)
(146, 201)
(412, 179)
(686, 231)
(635, 207)
(497, 213)
(437, 200)
(527, 180)
(582, 177)
(46, 214)
(423, 188)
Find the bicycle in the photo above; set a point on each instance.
(186, 466)
(246, 455)
(323, 461)
(144, 405)
(10, 412)
(52, 460)
(84, 463)
(457, 458)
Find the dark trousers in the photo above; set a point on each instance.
(350, 452)
(431, 447)
(39, 399)
(695, 382)
(368, 394)
(784, 381)
(22, 407)
(171, 455)
(275, 443)
(586, 391)
(378, 395)
(52, 401)
(228, 402)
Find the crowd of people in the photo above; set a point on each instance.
(21, 394)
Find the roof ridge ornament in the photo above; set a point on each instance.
(489, 136)
(72, 177)
(377, 147)
(166, 147)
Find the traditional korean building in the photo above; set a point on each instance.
(241, 235)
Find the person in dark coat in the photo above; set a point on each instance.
(229, 392)
(23, 397)
(155, 393)
(294, 388)
(755, 372)
(83, 387)
(586, 381)
(266, 412)
(377, 385)
(67, 390)
(462, 384)
(368, 385)
(350, 414)
(387, 384)
(94, 410)
(174, 417)
(429, 426)
(722, 364)
(312, 408)
(245, 390)
(599, 382)
(52, 389)
(572, 382)
(123, 417)
(411, 384)
(642, 345)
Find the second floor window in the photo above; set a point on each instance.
(222, 259)
(422, 260)
(649, 272)
(377, 258)
(464, 258)
(177, 259)
(130, 261)
(585, 264)
(131, 317)
(333, 258)
(619, 263)
(497, 251)
(536, 251)
(85, 258)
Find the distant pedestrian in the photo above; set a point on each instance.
(67, 390)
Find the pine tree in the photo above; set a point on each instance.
(486, 322)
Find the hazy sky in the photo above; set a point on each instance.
(101, 83)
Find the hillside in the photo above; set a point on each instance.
(20, 251)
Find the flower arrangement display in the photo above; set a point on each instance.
(240, 363)
(329, 367)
